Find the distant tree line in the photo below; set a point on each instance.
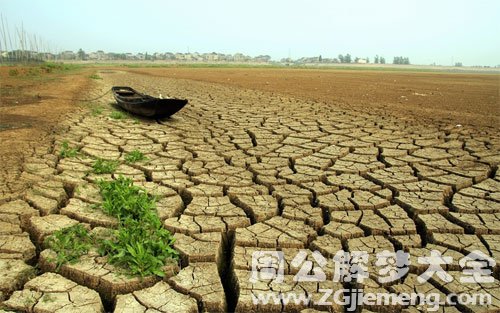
(401, 60)
(345, 58)
(379, 59)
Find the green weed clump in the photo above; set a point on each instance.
(69, 244)
(49, 67)
(122, 199)
(97, 111)
(67, 151)
(13, 72)
(95, 76)
(140, 244)
(117, 115)
(102, 166)
(135, 156)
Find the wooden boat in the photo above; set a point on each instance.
(144, 105)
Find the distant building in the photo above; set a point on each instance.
(262, 58)
(212, 57)
(179, 56)
(197, 57)
(240, 57)
(158, 56)
(67, 55)
(48, 56)
(101, 55)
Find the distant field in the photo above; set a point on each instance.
(460, 98)
(318, 66)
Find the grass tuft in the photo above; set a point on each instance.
(102, 166)
(69, 243)
(95, 76)
(117, 115)
(97, 111)
(122, 199)
(67, 151)
(135, 156)
(140, 244)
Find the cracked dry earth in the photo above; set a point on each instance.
(237, 171)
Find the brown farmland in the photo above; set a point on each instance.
(461, 98)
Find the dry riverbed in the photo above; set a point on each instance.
(242, 170)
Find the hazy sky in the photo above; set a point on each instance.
(424, 30)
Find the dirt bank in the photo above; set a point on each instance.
(31, 105)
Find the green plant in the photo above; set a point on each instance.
(117, 115)
(95, 76)
(13, 72)
(102, 166)
(50, 67)
(135, 156)
(140, 244)
(122, 199)
(96, 111)
(67, 151)
(69, 244)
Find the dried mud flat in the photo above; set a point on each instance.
(440, 97)
(30, 109)
(240, 170)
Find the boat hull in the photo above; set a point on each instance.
(144, 105)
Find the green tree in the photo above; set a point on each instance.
(347, 58)
(81, 54)
(341, 58)
(376, 59)
(382, 60)
(401, 60)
